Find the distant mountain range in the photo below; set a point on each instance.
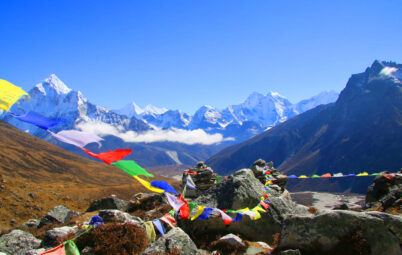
(160, 136)
(361, 131)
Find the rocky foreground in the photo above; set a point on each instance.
(286, 228)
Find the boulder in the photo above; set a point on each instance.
(18, 242)
(176, 241)
(290, 252)
(342, 232)
(52, 236)
(386, 191)
(146, 201)
(58, 214)
(258, 168)
(118, 216)
(32, 223)
(108, 203)
(256, 248)
(229, 244)
(239, 191)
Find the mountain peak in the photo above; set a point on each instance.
(56, 84)
(151, 109)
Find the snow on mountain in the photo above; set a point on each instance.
(169, 119)
(133, 110)
(324, 97)
(266, 110)
(207, 117)
(52, 98)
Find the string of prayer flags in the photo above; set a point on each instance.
(375, 174)
(38, 120)
(77, 138)
(158, 225)
(132, 168)
(9, 94)
(148, 185)
(110, 156)
(164, 185)
(66, 248)
(190, 183)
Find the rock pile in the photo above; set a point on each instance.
(203, 177)
(260, 166)
(386, 192)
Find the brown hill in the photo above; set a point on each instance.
(36, 175)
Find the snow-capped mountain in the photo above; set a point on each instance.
(52, 98)
(133, 110)
(324, 97)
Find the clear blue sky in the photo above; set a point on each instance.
(183, 54)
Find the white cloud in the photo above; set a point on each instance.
(190, 137)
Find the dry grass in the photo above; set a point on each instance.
(39, 175)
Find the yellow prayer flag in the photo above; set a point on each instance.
(363, 174)
(199, 212)
(148, 185)
(9, 94)
(302, 177)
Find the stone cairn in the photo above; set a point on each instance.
(203, 177)
(258, 168)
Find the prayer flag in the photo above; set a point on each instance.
(77, 138)
(168, 220)
(292, 176)
(205, 214)
(38, 120)
(327, 175)
(110, 156)
(226, 218)
(174, 202)
(338, 175)
(149, 228)
(165, 186)
(190, 183)
(132, 168)
(375, 174)
(200, 209)
(363, 174)
(9, 94)
(315, 176)
(148, 185)
(238, 217)
(159, 226)
(302, 177)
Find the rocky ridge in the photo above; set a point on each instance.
(286, 228)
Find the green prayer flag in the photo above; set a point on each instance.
(70, 248)
(315, 176)
(375, 174)
(218, 179)
(192, 205)
(130, 167)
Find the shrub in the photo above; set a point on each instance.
(312, 210)
(114, 238)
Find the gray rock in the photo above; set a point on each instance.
(118, 216)
(52, 236)
(32, 223)
(108, 203)
(385, 192)
(18, 242)
(232, 240)
(256, 248)
(35, 251)
(175, 241)
(87, 251)
(290, 252)
(58, 214)
(338, 231)
(242, 190)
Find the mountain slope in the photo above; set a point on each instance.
(53, 176)
(361, 131)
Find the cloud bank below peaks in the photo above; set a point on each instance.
(189, 137)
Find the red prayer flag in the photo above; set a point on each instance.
(265, 205)
(192, 172)
(184, 209)
(326, 175)
(59, 250)
(110, 156)
(171, 219)
(389, 176)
